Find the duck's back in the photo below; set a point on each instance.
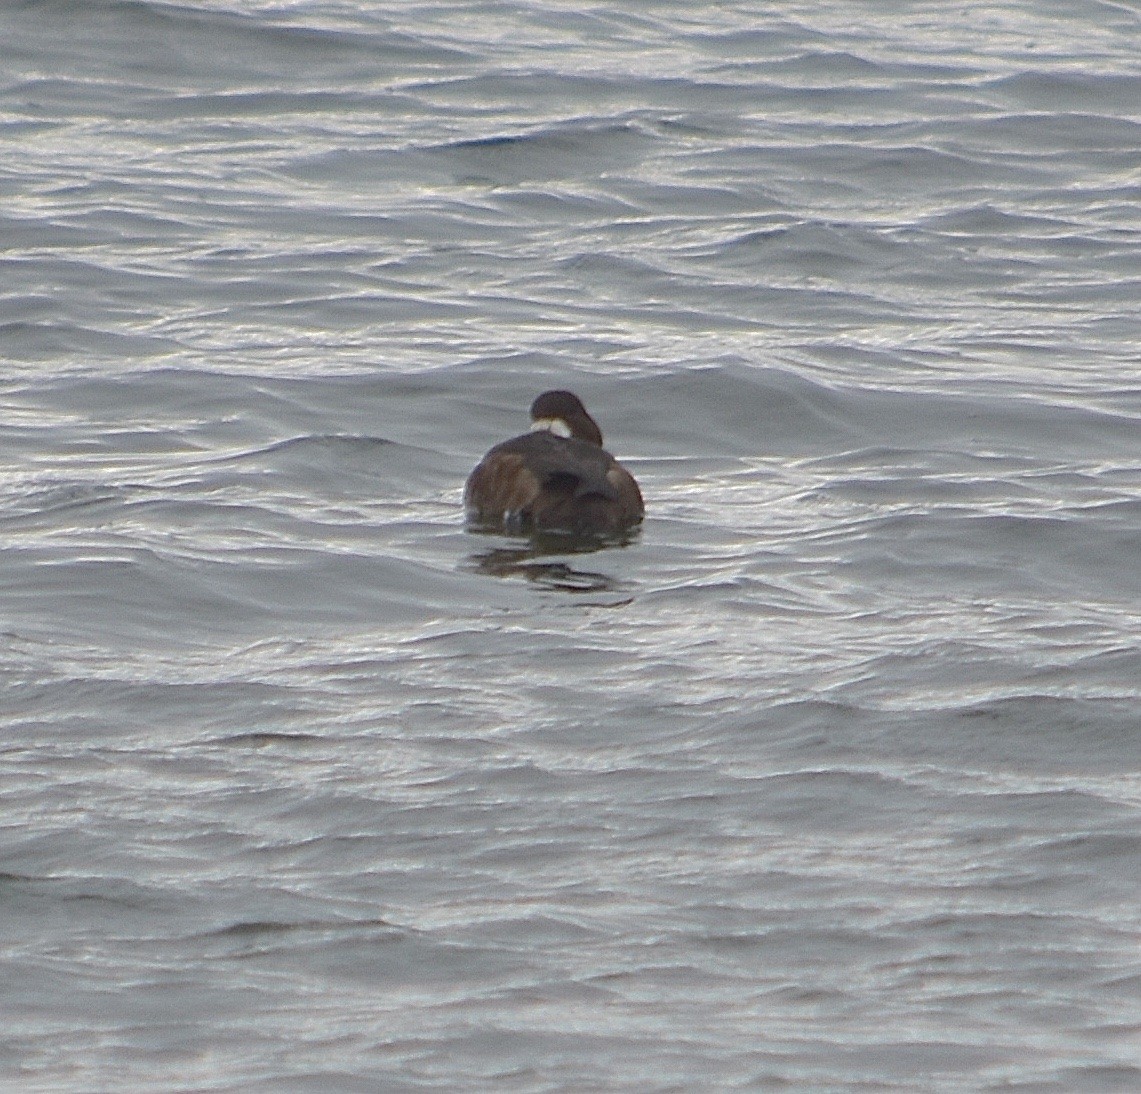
(546, 482)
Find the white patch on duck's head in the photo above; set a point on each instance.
(552, 425)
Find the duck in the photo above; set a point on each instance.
(555, 478)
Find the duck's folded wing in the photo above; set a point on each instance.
(501, 483)
(562, 464)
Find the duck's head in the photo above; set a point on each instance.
(562, 413)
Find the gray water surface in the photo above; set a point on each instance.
(828, 779)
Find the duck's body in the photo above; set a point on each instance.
(558, 477)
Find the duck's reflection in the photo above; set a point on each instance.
(532, 559)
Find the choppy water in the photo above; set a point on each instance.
(829, 779)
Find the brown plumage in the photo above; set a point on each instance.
(558, 477)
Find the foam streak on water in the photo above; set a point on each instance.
(830, 778)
